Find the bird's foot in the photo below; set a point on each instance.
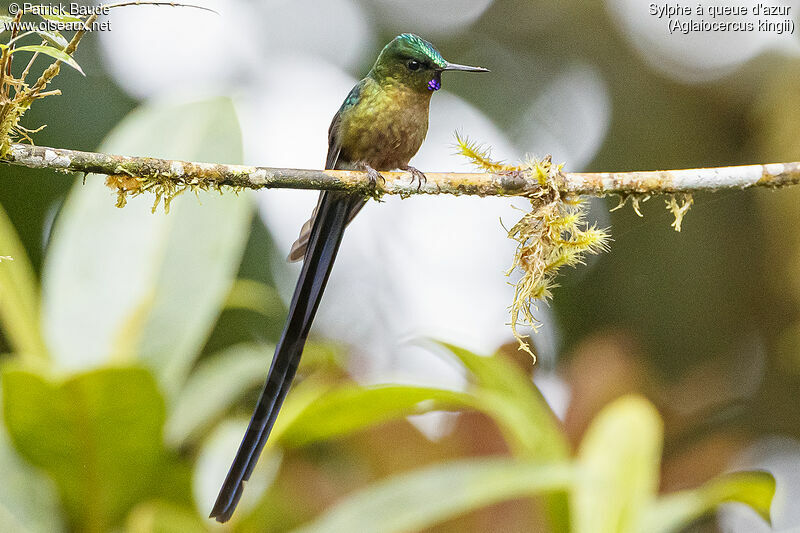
(416, 174)
(373, 176)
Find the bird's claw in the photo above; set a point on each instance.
(373, 176)
(416, 174)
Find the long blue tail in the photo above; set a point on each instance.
(326, 235)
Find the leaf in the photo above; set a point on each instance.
(60, 17)
(512, 399)
(504, 393)
(214, 387)
(418, 500)
(212, 465)
(151, 286)
(52, 52)
(54, 38)
(351, 408)
(164, 517)
(19, 295)
(28, 498)
(98, 435)
(5, 46)
(676, 511)
(257, 297)
(619, 460)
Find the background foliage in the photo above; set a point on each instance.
(135, 343)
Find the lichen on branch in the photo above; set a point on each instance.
(553, 234)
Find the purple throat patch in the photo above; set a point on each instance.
(434, 85)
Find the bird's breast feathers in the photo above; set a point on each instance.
(386, 127)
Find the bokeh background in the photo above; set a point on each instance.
(703, 322)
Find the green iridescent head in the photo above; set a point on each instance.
(413, 61)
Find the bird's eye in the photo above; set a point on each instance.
(414, 65)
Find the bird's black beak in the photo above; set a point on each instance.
(464, 68)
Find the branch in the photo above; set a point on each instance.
(503, 183)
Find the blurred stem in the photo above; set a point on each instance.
(19, 296)
(503, 183)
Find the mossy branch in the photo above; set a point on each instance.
(499, 183)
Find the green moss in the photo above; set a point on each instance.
(553, 234)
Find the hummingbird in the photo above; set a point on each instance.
(379, 127)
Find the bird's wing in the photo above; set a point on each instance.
(298, 250)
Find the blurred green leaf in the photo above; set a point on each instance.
(52, 52)
(19, 36)
(125, 283)
(352, 408)
(509, 396)
(255, 296)
(164, 517)
(619, 459)
(28, 498)
(304, 394)
(19, 295)
(674, 512)
(501, 391)
(323, 355)
(59, 17)
(214, 459)
(512, 399)
(98, 434)
(214, 386)
(54, 38)
(415, 501)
